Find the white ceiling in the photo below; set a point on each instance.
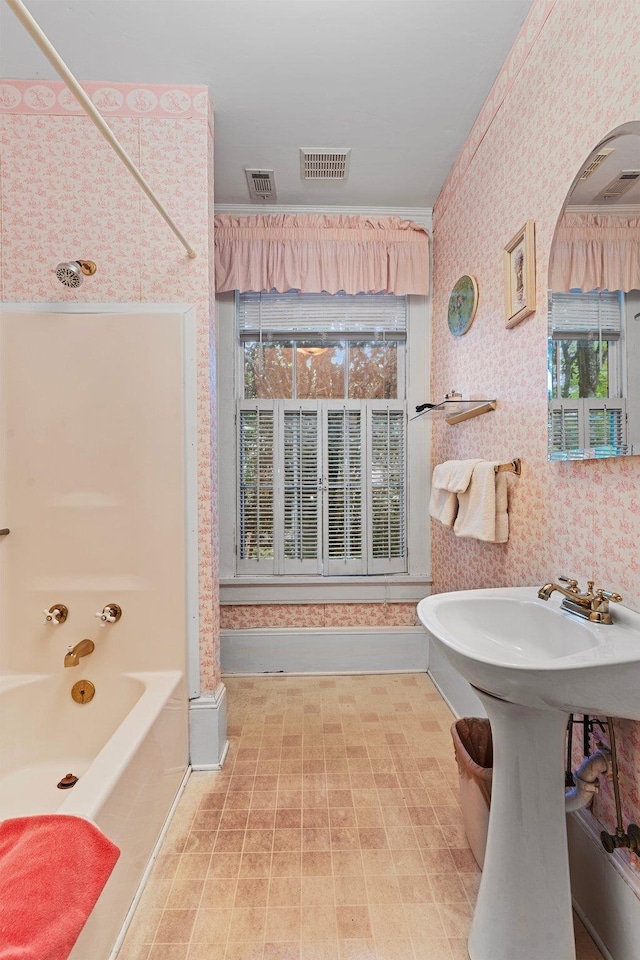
(398, 81)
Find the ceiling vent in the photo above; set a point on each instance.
(262, 186)
(599, 158)
(618, 187)
(320, 163)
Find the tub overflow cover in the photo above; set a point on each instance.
(69, 781)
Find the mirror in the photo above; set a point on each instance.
(594, 307)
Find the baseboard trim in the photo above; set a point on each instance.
(606, 891)
(208, 742)
(317, 650)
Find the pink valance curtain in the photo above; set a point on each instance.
(595, 251)
(315, 253)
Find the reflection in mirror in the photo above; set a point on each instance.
(594, 307)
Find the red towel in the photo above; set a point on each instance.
(52, 871)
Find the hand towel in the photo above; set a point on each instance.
(52, 871)
(482, 507)
(454, 475)
(448, 479)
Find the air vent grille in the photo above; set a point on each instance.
(320, 163)
(599, 158)
(618, 187)
(261, 184)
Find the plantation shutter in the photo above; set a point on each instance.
(387, 488)
(344, 490)
(586, 424)
(322, 487)
(301, 489)
(576, 316)
(564, 432)
(256, 489)
(605, 422)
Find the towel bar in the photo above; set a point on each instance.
(514, 466)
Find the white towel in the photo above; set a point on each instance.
(443, 506)
(449, 478)
(454, 475)
(482, 511)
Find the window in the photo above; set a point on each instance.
(321, 433)
(587, 408)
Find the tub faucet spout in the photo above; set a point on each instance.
(81, 649)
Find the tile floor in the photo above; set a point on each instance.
(333, 833)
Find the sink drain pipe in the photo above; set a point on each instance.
(586, 780)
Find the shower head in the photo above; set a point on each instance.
(73, 273)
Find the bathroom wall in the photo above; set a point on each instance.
(572, 75)
(64, 195)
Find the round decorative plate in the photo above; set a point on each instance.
(463, 302)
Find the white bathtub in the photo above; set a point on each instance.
(129, 749)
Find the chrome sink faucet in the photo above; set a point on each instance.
(591, 605)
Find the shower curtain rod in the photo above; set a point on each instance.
(62, 69)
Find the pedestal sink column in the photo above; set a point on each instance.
(523, 910)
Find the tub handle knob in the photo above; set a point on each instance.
(56, 614)
(111, 613)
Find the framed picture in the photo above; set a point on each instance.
(463, 303)
(520, 275)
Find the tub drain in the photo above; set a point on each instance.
(68, 781)
(83, 691)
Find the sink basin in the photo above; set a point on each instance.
(531, 664)
(513, 645)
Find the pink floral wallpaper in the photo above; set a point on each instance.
(64, 194)
(571, 77)
(243, 617)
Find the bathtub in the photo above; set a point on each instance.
(128, 747)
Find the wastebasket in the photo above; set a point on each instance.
(474, 753)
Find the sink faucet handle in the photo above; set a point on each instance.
(573, 584)
(609, 595)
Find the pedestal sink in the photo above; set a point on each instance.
(531, 665)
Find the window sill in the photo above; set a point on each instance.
(381, 589)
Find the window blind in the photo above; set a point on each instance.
(586, 315)
(321, 315)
